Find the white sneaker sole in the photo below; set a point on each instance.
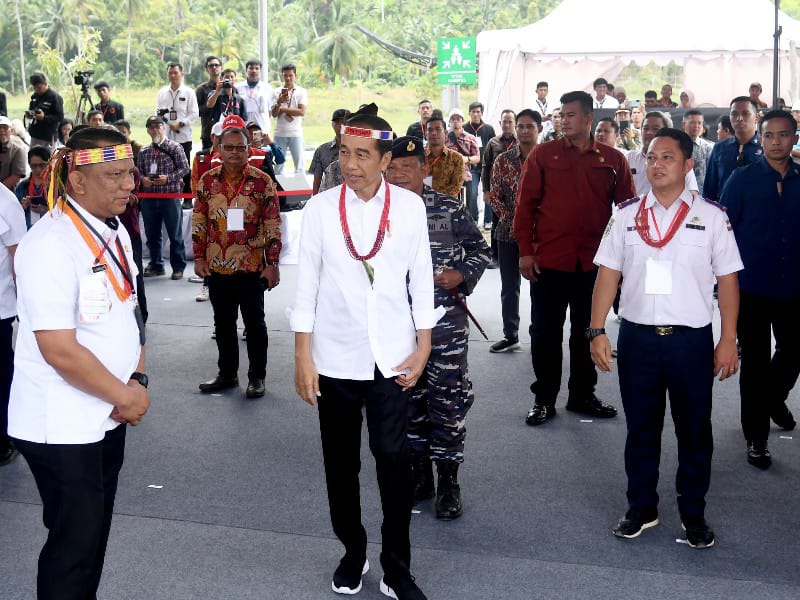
(638, 533)
(350, 591)
(691, 545)
(387, 591)
(510, 348)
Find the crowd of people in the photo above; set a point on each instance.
(626, 212)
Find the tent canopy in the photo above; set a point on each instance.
(722, 49)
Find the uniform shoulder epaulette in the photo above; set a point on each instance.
(715, 203)
(633, 200)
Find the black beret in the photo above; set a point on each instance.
(407, 146)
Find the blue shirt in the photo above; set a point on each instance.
(722, 162)
(764, 210)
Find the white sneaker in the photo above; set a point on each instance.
(203, 295)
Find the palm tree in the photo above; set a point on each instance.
(339, 49)
(21, 45)
(132, 7)
(59, 27)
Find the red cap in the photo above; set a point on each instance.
(233, 122)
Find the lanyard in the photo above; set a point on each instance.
(238, 190)
(123, 291)
(33, 189)
(644, 228)
(383, 227)
(435, 160)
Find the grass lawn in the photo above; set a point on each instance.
(397, 105)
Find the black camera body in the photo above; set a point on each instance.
(162, 111)
(227, 84)
(83, 78)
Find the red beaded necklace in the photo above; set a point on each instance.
(643, 225)
(382, 227)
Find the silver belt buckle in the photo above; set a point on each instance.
(660, 330)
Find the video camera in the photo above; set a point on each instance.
(83, 79)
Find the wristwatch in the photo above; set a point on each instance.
(593, 333)
(140, 377)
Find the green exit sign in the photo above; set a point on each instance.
(455, 60)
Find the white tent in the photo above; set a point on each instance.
(723, 46)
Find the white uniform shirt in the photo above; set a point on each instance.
(53, 265)
(637, 161)
(184, 102)
(356, 326)
(257, 102)
(284, 127)
(607, 102)
(702, 249)
(12, 228)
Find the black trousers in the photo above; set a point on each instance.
(77, 484)
(650, 365)
(766, 379)
(227, 294)
(187, 179)
(551, 294)
(510, 279)
(141, 296)
(386, 407)
(6, 373)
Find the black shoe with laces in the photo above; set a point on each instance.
(783, 417)
(401, 588)
(635, 521)
(758, 454)
(347, 577)
(698, 533)
(7, 454)
(504, 345)
(539, 414)
(592, 407)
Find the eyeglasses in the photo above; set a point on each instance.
(234, 147)
(213, 65)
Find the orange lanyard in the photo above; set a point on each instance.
(123, 291)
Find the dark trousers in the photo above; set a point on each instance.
(141, 297)
(168, 211)
(650, 365)
(551, 294)
(386, 407)
(766, 379)
(510, 280)
(77, 484)
(471, 196)
(229, 293)
(6, 373)
(187, 179)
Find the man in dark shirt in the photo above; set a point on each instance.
(483, 132)
(494, 148)
(328, 152)
(112, 111)
(418, 128)
(45, 112)
(763, 202)
(566, 191)
(214, 69)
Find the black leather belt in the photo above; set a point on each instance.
(660, 329)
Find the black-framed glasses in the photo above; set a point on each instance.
(234, 147)
(214, 65)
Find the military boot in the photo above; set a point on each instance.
(423, 478)
(448, 495)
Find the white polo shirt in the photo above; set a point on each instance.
(257, 102)
(356, 325)
(702, 249)
(12, 228)
(283, 126)
(53, 265)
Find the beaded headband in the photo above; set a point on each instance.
(99, 155)
(363, 132)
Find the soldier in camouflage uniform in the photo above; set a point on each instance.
(439, 403)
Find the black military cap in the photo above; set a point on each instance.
(407, 146)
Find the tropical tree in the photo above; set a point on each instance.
(339, 48)
(132, 7)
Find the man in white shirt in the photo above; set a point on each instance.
(177, 104)
(289, 107)
(12, 228)
(79, 358)
(601, 98)
(256, 95)
(360, 343)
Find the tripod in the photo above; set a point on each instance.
(85, 104)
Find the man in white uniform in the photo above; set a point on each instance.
(256, 95)
(79, 359)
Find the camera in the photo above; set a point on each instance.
(83, 78)
(162, 111)
(227, 84)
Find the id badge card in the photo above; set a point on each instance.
(428, 181)
(658, 277)
(153, 169)
(94, 301)
(173, 115)
(235, 219)
(480, 141)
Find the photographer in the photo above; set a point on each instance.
(177, 104)
(225, 101)
(30, 191)
(44, 112)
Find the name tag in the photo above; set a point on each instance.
(658, 277)
(480, 142)
(439, 223)
(428, 181)
(235, 219)
(153, 168)
(693, 226)
(94, 301)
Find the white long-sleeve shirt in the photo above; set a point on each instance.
(356, 325)
(184, 102)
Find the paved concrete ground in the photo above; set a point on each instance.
(221, 497)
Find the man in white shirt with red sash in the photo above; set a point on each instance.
(79, 357)
(359, 342)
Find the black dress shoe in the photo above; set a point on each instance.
(219, 383)
(539, 413)
(783, 417)
(592, 407)
(698, 533)
(758, 454)
(635, 521)
(7, 455)
(255, 388)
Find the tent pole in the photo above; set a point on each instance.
(775, 58)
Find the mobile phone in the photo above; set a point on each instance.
(624, 126)
(38, 200)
